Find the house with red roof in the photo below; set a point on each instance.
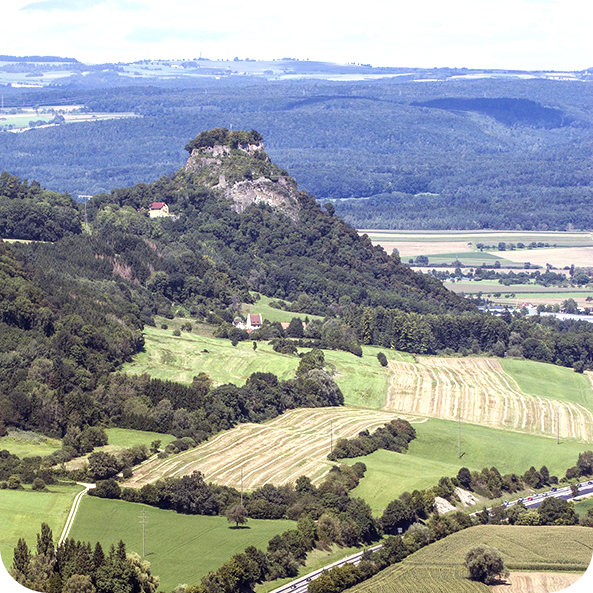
(254, 321)
(158, 210)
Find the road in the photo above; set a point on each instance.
(565, 493)
(300, 585)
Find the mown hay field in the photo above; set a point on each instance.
(438, 568)
(294, 444)
(479, 391)
(537, 582)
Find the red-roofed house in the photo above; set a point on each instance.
(253, 321)
(158, 210)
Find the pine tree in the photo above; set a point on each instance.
(45, 541)
(21, 557)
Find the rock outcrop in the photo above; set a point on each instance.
(236, 167)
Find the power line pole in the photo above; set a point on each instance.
(557, 425)
(143, 523)
(459, 431)
(331, 437)
(241, 486)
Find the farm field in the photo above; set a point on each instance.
(28, 444)
(439, 566)
(23, 511)
(180, 548)
(179, 358)
(566, 248)
(517, 294)
(434, 453)
(479, 390)
(294, 444)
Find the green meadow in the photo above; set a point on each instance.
(179, 358)
(126, 437)
(434, 453)
(23, 511)
(180, 548)
(549, 380)
(29, 444)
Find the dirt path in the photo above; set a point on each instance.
(537, 582)
(73, 511)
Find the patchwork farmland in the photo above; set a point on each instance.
(478, 390)
(294, 444)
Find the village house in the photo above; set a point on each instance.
(254, 321)
(158, 210)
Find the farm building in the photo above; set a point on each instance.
(158, 210)
(254, 321)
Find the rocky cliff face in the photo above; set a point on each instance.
(243, 173)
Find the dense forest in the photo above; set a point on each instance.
(391, 153)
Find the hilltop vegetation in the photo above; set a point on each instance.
(390, 153)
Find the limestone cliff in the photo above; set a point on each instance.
(236, 167)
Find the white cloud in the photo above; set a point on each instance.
(507, 33)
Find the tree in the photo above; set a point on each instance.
(45, 541)
(382, 359)
(78, 583)
(555, 511)
(485, 564)
(21, 557)
(464, 477)
(236, 514)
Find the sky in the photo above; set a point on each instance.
(513, 34)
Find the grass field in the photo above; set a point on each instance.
(434, 453)
(582, 506)
(180, 548)
(445, 246)
(294, 444)
(125, 437)
(479, 390)
(439, 567)
(179, 358)
(28, 444)
(23, 511)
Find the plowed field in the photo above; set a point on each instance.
(478, 390)
(537, 582)
(277, 452)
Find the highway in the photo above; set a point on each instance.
(565, 493)
(300, 585)
(532, 502)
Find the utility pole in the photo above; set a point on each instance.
(143, 523)
(459, 430)
(557, 425)
(331, 437)
(241, 486)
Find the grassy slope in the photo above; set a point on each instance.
(23, 511)
(29, 444)
(548, 380)
(362, 380)
(180, 548)
(434, 454)
(438, 567)
(126, 437)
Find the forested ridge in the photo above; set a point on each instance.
(500, 154)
